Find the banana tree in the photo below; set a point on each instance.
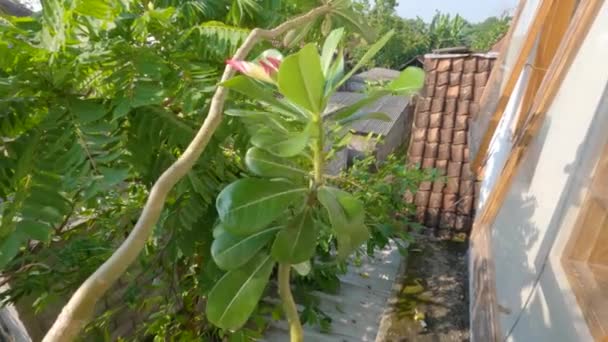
(276, 216)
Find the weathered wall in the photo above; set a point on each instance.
(532, 293)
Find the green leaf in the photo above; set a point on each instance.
(409, 80)
(335, 73)
(369, 54)
(34, 230)
(296, 243)
(302, 268)
(354, 20)
(347, 217)
(280, 144)
(147, 93)
(365, 116)
(10, 247)
(248, 205)
(87, 111)
(100, 9)
(253, 89)
(230, 252)
(329, 47)
(301, 78)
(237, 293)
(265, 164)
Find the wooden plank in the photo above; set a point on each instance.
(550, 37)
(528, 44)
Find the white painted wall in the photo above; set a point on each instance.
(537, 302)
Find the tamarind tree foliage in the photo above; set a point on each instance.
(99, 97)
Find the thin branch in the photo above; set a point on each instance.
(79, 310)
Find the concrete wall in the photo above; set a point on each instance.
(534, 297)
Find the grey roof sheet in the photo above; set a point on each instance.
(393, 106)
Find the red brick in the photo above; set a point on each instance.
(465, 205)
(457, 153)
(481, 79)
(453, 91)
(435, 200)
(460, 123)
(422, 198)
(437, 105)
(454, 169)
(432, 135)
(428, 163)
(463, 223)
(444, 64)
(466, 93)
(422, 119)
(466, 171)
(455, 78)
(443, 78)
(450, 106)
(431, 78)
(465, 154)
(483, 64)
(429, 90)
(430, 64)
(463, 107)
(449, 203)
(440, 91)
(459, 137)
(408, 197)
(457, 64)
(419, 134)
(448, 121)
(443, 152)
(441, 166)
(417, 148)
(430, 150)
(415, 161)
(470, 65)
(467, 188)
(423, 104)
(446, 136)
(425, 186)
(451, 186)
(438, 186)
(467, 80)
(435, 120)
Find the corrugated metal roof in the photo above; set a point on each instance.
(392, 106)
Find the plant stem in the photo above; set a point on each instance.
(289, 305)
(319, 158)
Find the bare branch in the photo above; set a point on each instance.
(78, 311)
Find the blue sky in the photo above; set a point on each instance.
(471, 10)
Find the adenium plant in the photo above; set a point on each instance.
(276, 216)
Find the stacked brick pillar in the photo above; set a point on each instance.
(451, 94)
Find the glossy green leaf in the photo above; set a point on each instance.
(237, 293)
(365, 116)
(301, 78)
(302, 268)
(10, 247)
(253, 89)
(87, 111)
(296, 243)
(347, 217)
(280, 144)
(335, 73)
(369, 54)
(266, 164)
(147, 93)
(34, 230)
(409, 80)
(250, 204)
(230, 251)
(329, 48)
